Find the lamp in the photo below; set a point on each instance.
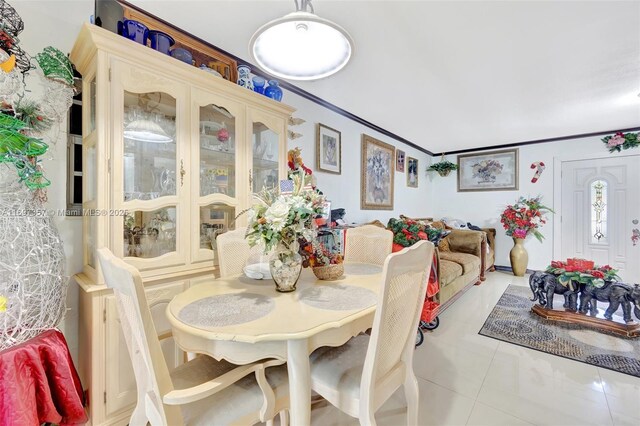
(145, 130)
(301, 45)
(144, 125)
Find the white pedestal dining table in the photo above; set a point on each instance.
(243, 320)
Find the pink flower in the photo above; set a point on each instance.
(617, 139)
(520, 233)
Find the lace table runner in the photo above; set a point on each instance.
(226, 309)
(337, 297)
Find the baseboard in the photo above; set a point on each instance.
(508, 269)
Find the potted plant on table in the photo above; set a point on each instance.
(521, 219)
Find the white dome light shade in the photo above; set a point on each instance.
(301, 46)
(146, 131)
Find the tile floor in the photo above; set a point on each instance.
(468, 379)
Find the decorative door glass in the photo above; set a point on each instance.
(599, 211)
(149, 146)
(215, 219)
(265, 157)
(149, 234)
(217, 151)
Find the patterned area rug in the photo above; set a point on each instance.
(512, 321)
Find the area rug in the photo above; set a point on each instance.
(512, 321)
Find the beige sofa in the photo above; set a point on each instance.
(464, 262)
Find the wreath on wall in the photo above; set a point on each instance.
(620, 141)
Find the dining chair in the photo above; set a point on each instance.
(201, 391)
(361, 375)
(233, 251)
(368, 244)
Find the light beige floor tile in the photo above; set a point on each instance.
(517, 358)
(540, 401)
(518, 380)
(483, 415)
(627, 406)
(620, 385)
(451, 366)
(438, 406)
(622, 420)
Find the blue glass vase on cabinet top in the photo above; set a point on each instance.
(273, 91)
(258, 84)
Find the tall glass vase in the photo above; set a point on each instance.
(519, 257)
(285, 265)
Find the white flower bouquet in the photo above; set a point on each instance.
(284, 219)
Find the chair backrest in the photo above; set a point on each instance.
(149, 366)
(400, 302)
(233, 251)
(368, 244)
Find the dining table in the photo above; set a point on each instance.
(243, 320)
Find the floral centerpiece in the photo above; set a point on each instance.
(524, 217)
(277, 222)
(621, 141)
(583, 272)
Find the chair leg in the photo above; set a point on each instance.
(269, 422)
(138, 417)
(367, 418)
(412, 394)
(284, 418)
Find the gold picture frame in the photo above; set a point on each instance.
(328, 150)
(412, 172)
(376, 174)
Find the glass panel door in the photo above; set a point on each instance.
(149, 132)
(217, 130)
(265, 152)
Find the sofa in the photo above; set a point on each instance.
(463, 257)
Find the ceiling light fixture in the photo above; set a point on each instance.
(301, 45)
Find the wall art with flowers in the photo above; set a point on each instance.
(488, 171)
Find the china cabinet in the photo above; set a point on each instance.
(171, 155)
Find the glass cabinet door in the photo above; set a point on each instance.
(150, 188)
(149, 158)
(217, 136)
(265, 149)
(217, 126)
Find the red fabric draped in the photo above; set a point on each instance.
(39, 383)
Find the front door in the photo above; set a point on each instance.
(600, 210)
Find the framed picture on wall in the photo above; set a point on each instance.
(412, 172)
(376, 174)
(328, 150)
(400, 160)
(488, 171)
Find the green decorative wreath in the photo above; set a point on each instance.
(620, 141)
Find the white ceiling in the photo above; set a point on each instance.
(456, 75)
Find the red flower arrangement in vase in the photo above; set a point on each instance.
(524, 217)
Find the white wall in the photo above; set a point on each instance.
(484, 208)
(344, 190)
